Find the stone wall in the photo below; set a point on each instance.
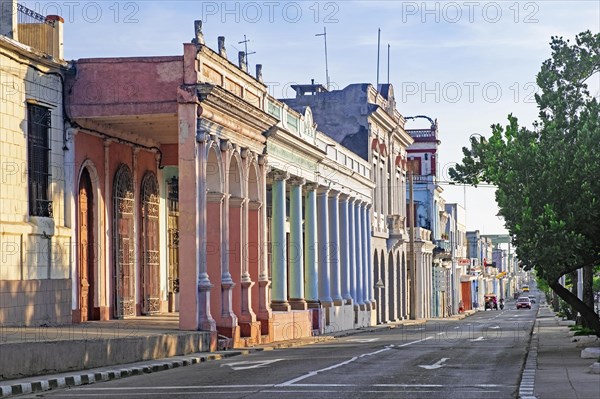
(35, 302)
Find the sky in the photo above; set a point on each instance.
(467, 64)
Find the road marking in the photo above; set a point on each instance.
(245, 365)
(436, 365)
(315, 372)
(363, 340)
(495, 327)
(478, 339)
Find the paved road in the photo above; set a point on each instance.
(478, 357)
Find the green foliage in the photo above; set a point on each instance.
(542, 285)
(547, 177)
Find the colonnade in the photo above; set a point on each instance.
(329, 246)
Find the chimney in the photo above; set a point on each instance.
(259, 73)
(198, 36)
(8, 18)
(222, 51)
(242, 61)
(58, 48)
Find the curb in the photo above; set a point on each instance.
(527, 385)
(91, 377)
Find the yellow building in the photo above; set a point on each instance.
(35, 237)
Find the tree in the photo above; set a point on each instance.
(547, 177)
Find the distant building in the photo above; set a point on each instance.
(364, 119)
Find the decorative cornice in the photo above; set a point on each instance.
(232, 105)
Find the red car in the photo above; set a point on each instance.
(523, 302)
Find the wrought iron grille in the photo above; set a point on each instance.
(151, 259)
(35, 30)
(173, 232)
(124, 248)
(38, 148)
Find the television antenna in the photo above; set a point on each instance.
(245, 43)
(324, 34)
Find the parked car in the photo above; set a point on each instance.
(532, 298)
(523, 302)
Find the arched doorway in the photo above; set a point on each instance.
(85, 221)
(149, 237)
(378, 293)
(124, 253)
(236, 233)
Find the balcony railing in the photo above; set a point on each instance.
(37, 31)
(443, 245)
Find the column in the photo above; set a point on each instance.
(351, 248)
(359, 247)
(334, 247)
(264, 308)
(228, 317)
(246, 283)
(323, 237)
(311, 289)
(367, 277)
(371, 286)
(345, 249)
(136, 228)
(204, 320)
(296, 278)
(278, 243)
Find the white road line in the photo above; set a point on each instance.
(315, 372)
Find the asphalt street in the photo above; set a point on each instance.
(481, 356)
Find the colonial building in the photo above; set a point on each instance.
(209, 196)
(36, 242)
(429, 215)
(461, 279)
(366, 121)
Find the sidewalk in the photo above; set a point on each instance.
(555, 368)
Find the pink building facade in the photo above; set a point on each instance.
(180, 201)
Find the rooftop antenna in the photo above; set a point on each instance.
(378, 45)
(324, 34)
(245, 43)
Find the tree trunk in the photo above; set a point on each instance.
(574, 282)
(591, 318)
(588, 289)
(555, 304)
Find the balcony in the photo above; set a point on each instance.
(442, 249)
(396, 224)
(423, 179)
(42, 34)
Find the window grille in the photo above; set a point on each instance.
(38, 162)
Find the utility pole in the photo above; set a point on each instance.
(412, 262)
